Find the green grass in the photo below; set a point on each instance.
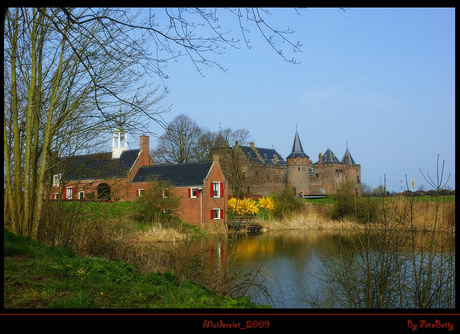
(38, 276)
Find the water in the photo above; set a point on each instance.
(284, 269)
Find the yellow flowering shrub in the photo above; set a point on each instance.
(267, 203)
(242, 207)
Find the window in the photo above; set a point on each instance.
(56, 180)
(56, 196)
(193, 193)
(217, 189)
(217, 214)
(165, 193)
(69, 193)
(140, 192)
(81, 194)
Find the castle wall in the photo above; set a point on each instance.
(267, 179)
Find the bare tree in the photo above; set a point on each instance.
(184, 141)
(237, 170)
(65, 80)
(177, 144)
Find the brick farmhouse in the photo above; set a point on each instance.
(124, 175)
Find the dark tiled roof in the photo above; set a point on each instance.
(97, 165)
(265, 156)
(329, 158)
(352, 162)
(179, 175)
(297, 149)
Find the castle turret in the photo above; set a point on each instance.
(347, 154)
(298, 164)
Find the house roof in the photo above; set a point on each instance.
(179, 175)
(262, 155)
(352, 162)
(297, 149)
(97, 165)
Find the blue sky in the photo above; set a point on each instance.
(383, 79)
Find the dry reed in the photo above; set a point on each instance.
(400, 214)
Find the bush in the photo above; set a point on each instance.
(157, 203)
(286, 203)
(348, 206)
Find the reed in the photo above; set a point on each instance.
(400, 213)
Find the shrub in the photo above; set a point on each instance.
(243, 207)
(348, 206)
(344, 207)
(286, 203)
(157, 203)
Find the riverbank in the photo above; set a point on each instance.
(398, 213)
(38, 276)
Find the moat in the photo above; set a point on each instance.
(304, 269)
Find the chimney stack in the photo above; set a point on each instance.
(144, 143)
(320, 157)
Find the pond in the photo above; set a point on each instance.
(304, 269)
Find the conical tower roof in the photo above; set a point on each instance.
(330, 158)
(352, 162)
(297, 149)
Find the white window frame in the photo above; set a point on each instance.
(56, 196)
(56, 180)
(218, 216)
(194, 190)
(81, 194)
(216, 184)
(67, 190)
(140, 192)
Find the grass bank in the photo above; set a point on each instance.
(39, 276)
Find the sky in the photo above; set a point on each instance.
(381, 79)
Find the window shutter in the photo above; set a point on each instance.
(189, 192)
(212, 214)
(221, 189)
(212, 189)
(197, 193)
(221, 214)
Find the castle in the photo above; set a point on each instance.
(266, 172)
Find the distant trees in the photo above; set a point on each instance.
(184, 142)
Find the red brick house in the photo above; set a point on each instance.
(122, 175)
(200, 187)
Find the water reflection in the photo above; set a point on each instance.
(288, 264)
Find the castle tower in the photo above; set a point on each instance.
(298, 164)
(353, 170)
(119, 142)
